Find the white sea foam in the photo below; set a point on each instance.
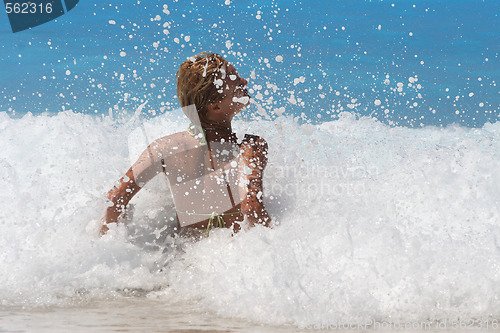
(372, 222)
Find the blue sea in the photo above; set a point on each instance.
(406, 63)
(383, 185)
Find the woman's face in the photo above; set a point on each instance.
(236, 95)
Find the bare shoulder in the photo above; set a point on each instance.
(254, 150)
(255, 141)
(170, 139)
(170, 143)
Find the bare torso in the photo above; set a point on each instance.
(214, 182)
(203, 178)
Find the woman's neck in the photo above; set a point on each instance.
(217, 131)
(224, 126)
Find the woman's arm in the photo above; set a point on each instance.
(147, 166)
(253, 161)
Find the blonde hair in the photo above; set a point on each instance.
(200, 81)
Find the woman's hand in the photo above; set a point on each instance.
(104, 229)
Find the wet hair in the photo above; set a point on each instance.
(200, 81)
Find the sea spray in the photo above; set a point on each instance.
(371, 222)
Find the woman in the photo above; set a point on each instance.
(215, 181)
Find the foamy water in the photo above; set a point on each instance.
(372, 222)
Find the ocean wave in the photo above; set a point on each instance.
(371, 222)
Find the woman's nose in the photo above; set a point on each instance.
(243, 82)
